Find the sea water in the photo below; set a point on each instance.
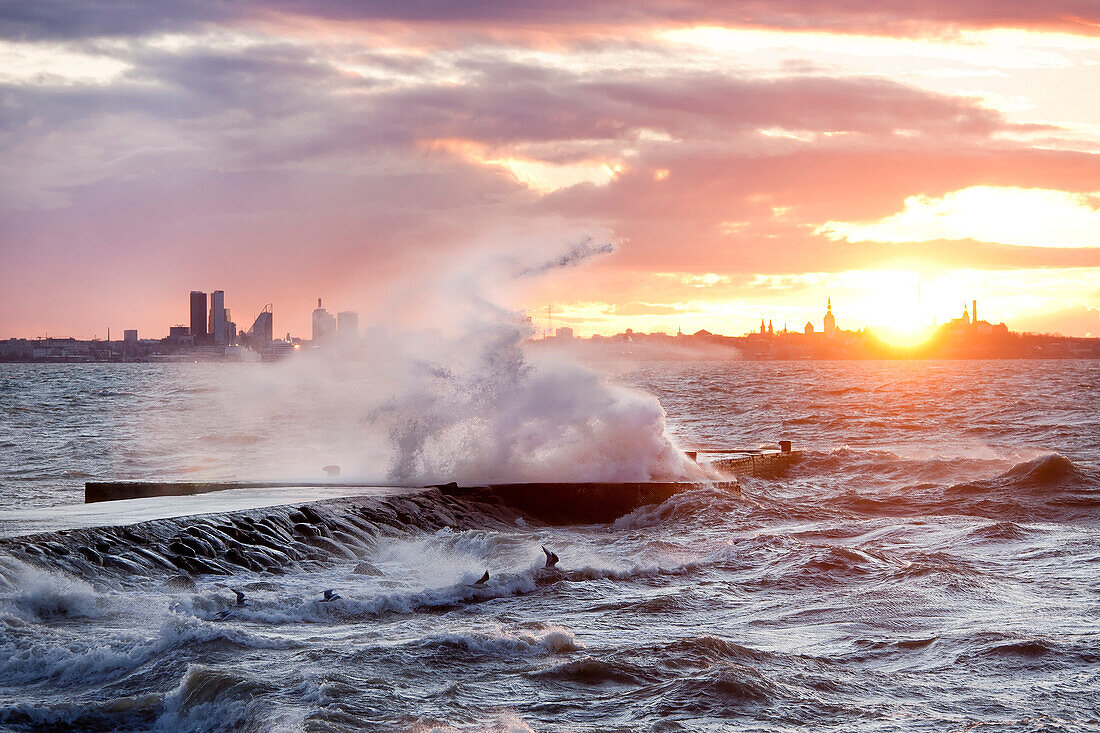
(932, 564)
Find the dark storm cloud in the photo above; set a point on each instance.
(58, 19)
(61, 19)
(788, 14)
(232, 119)
(278, 103)
(267, 81)
(506, 106)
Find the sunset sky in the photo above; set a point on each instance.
(748, 158)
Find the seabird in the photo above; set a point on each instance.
(480, 582)
(330, 595)
(551, 558)
(226, 613)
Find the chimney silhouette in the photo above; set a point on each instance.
(974, 313)
(318, 302)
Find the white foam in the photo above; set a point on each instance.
(453, 396)
(550, 639)
(34, 594)
(39, 642)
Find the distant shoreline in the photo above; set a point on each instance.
(952, 342)
(624, 355)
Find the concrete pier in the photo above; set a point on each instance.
(766, 463)
(550, 502)
(95, 491)
(580, 503)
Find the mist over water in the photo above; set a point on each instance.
(931, 565)
(444, 391)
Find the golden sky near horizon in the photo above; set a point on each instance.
(748, 159)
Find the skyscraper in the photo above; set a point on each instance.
(198, 316)
(217, 316)
(347, 325)
(324, 324)
(261, 331)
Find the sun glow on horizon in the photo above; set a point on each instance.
(901, 306)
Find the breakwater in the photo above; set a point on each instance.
(760, 463)
(279, 539)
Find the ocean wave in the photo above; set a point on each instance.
(914, 563)
(719, 691)
(112, 393)
(880, 466)
(706, 650)
(364, 601)
(658, 606)
(507, 722)
(1047, 488)
(35, 655)
(128, 712)
(845, 390)
(594, 671)
(548, 640)
(33, 594)
(293, 609)
(708, 506)
(1000, 532)
(1031, 651)
(208, 699)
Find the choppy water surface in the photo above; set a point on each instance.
(933, 564)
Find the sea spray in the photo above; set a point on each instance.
(481, 410)
(454, 396)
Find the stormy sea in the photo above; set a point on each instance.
(932, 564)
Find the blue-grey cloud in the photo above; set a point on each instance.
(58, 19)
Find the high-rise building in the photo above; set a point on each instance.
(198, 316)
(130, 335)
(261, 330)
(230, 329)
(217, 316)
(347, 325)
(324, 324)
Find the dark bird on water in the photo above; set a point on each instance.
(551, 558)
(480, 582)
(330, 595)
(226, 613)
